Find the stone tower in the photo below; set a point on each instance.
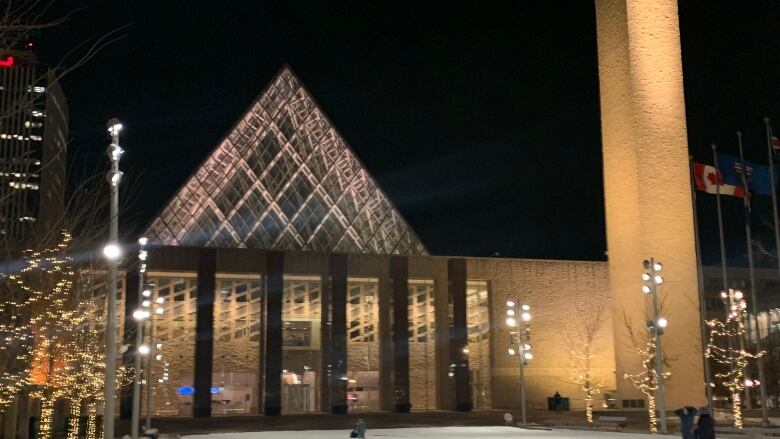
(647, 187)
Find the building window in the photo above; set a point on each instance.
(422, 345)
(302, 355)
(237, 332)
(362, 345)
(478, 323)
(633, 403)
(174, 333)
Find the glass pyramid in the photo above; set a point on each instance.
(284, 179)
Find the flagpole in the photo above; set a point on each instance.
(702, 308)
(748, 242)
(720, 231)
(753, 292)
(774, 193)
(720, 220)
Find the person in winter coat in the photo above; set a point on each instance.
(686, 415)
(705, 426)
(360, 428)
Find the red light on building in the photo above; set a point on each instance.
(8, 62)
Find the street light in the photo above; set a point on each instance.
(652, 279)
(159, 310)
(113, 253)
(520, 338)
(140, 315)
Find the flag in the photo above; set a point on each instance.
(757, 175)
(776, 144)
(707, 180)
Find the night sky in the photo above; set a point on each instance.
(480, 122)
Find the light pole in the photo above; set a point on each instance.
(140, 315)
(113, 253)
(652, 279)
(521, 337)
(158, 346)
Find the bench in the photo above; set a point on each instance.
(618, 421)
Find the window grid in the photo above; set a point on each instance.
(285, 158)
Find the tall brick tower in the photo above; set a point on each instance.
(647, 187)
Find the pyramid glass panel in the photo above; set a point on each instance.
(284, 179)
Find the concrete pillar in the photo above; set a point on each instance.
(647, 187)
(204, 332)
(386, 351)
(456, 273)
(337, 348)
(274, 288)
(399, 275)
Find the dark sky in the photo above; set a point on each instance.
(481, 122)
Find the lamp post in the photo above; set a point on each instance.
(140, 315)
(520, 314)
(113, 253)
(158, 346)
(652, 279)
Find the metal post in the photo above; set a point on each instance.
(659, 363)
(149, 385)
(720, 221)
(700, 278)
(114, 175)
(753, 287)
(521, 351)
(139, 339)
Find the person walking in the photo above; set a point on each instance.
(705, 426)
(686, 415)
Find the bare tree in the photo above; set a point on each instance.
(646, 378)
(583, 352)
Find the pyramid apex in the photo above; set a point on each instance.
(284, 179)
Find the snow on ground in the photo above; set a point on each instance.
(432, 432)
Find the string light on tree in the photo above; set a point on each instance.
(651, 378)
(735, 359)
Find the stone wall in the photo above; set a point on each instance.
(563, 296)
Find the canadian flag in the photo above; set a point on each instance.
(708, 179)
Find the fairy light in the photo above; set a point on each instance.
(50, 325)
(735, 359)
(582, 375)
(646, 380)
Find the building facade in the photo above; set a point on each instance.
(259, 331)
(33, 147)
(293, 285)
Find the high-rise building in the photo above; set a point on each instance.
(33, 145)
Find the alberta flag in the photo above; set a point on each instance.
(757, 175)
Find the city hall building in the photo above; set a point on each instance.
(291, 284)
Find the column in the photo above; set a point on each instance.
(337, 348)
(647, 186)
(204, 332)
(456, 274)
(399, 276)
(274, 278)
